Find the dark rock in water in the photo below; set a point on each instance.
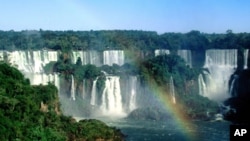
(149, 113)
(237, 106)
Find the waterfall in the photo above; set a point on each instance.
(111, 97)
(95, 58)
(77, 54)
(83, 89)
(233, 86)
(1, 56)
(161, 52)
(21, 60)
(87, 57)
(46, 78)
(42, 78)
(245, 58)
(48, 56)
(104, 105)
(202, 85)
(220, 64)
(133, 88)
(57, 82)
(72, 90)
(221, 57)
(37, 61)
(31, 63)
(186, 55)
(111, 57)
(93, 93)
(172, 92)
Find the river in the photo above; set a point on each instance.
(148, 130)
(162, 131)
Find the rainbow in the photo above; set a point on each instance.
(184, 123)
(187, 128)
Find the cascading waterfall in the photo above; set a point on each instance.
(172, 92)
(77, 54)
(104, 105)
(21, 59)
(245, 57)
(232, 90)
(220, 64)
(202, 85)
(133, 88)
(72, 89)
(49, 56)
(41, 78)
(111, 57)
(31, 63)
(214, 84)
(111, 97)
(95, 58)
(57, 82)
(93, 93)
(83, 89)
(186, 55)
(1, 56)
(47, 78)
(161, 52)
(87, 57)
(37, 62)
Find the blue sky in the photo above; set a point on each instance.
(209, 16)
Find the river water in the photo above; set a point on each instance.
(138, 130)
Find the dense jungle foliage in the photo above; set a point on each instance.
(119, 39)
(33, 113)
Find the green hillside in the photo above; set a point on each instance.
(33, 113)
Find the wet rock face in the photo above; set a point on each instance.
(244, 85)
(238, 105)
